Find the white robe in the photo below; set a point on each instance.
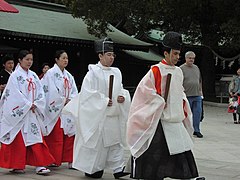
(148, 108)
(96, 121)
(58, 87)
(22, 90)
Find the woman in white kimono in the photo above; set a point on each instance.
(22, 107)
(59, 87)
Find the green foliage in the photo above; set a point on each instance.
(209, 22)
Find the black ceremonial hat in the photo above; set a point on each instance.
(103, 45)
(172, 40)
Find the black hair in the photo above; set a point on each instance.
(23, 53)
(7, 57)
(59, 53)
(163, 49)
(45, 64)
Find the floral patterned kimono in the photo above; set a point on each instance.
(21, 127)
(60, 129)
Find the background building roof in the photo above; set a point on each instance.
(149, 56)
(45, 24)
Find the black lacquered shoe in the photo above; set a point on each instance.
(120, 174)
(95, 175)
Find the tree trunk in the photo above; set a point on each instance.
(208, 73)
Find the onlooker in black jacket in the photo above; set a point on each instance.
(8, 64)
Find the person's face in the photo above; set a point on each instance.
(26, 62)
(172, 57)
(62, 61)
(9, 65)
(45, 69)
(190, 59)
(238, 71)
(107, 58)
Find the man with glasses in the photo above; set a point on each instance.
(101, 110)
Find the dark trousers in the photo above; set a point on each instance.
(235, 117)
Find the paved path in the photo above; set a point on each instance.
(217, 154)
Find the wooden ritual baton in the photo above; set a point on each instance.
(111, 77)
(168, 81)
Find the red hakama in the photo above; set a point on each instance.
(16, 155)
(60, 145)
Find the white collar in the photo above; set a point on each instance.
(103, 67)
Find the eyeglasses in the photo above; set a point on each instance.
(111, 54)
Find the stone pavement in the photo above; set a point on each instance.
(217, 153)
